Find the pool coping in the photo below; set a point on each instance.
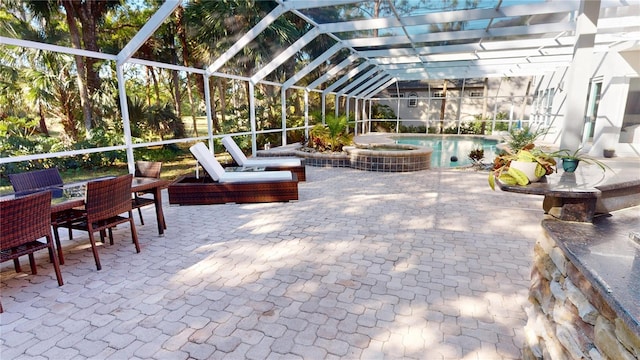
(388, 138)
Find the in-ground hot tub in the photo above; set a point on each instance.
(388, 157)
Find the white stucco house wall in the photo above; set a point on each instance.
(612, 112)
(421, 102)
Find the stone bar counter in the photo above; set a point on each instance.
(585, 289)
(585, 281)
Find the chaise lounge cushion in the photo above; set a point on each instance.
(217, 172)
(242, 160)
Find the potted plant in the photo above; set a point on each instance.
(570, 160)
(476, 155)
(523, 137)
(609, 152)
(522, 167)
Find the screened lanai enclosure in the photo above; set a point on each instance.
(96, 77)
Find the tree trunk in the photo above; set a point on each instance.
(485, 92)
(180, 30)
(443, 106)
(214, 114)
(223, 98)
(148, 87)
(376, 14)
(81, 77)
(156, 86)
(176, 90)
(43, 123)
(66, 115)
(89, 12)
(247, 94)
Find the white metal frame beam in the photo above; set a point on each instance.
(165, 10)
(538, 29)
(452, 16)
(314, 64)
(346, 77)
(246, 39)
(358, 80)
(285, 55)
(333, 71)
(376, 90)
(362, 82)
(371, 85)
(309, 4)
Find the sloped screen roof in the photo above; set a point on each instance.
(396, 40)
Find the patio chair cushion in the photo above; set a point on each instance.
(262, 176)
(217, 172)
(242, 160)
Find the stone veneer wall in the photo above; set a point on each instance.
(383, 161)
(390, 163)
(403, 158)
(568, 317)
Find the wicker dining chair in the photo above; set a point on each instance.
(36, 180)
(105, 203)
(23, 221)
(148, 169)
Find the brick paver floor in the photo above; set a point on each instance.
(423, 265)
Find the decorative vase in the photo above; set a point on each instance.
(608, 153)
(570, 165)
(528, 168)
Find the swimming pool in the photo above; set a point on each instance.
(446, 146)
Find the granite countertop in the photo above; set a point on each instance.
(587, 182)
(607, 252)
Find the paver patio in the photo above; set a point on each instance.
(423, 265)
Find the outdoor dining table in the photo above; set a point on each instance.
(71, 195)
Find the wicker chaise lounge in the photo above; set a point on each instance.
(292, 164)
(226, 187)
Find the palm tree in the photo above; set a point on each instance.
(224, 22)
(82, 18)
(43, 84)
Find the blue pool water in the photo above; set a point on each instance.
(444, 147)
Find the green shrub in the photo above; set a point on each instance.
(415, 129)
(19, 138)
(520, 138)
(331, 136)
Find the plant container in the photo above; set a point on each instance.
(570, 165)
(527, 167)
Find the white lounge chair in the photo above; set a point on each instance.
(217, 172)
(222, 187)
(242, 160)
(294, 165)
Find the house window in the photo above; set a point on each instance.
(395, 95)
(476, 94)
(543, 105)
(438, 94)
(413, 100)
